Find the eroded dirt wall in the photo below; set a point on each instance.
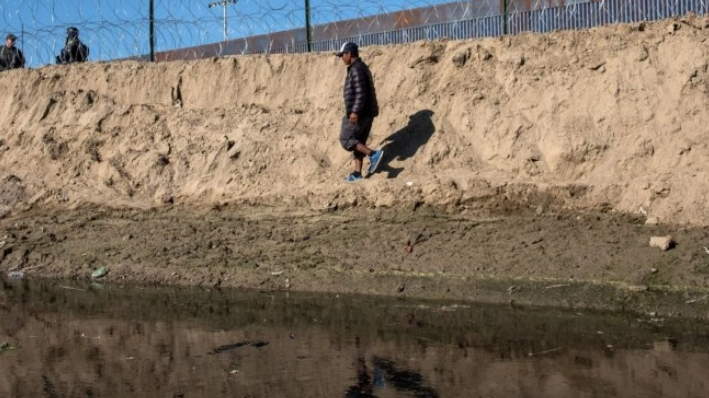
(611, 118)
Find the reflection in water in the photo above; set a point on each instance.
(84, 341)
(364, 387)
(386, 374)
(403, 380)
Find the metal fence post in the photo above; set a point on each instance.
(308, 30)
(151, 16)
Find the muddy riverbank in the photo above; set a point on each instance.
(592, 260)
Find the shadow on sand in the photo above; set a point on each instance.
(404, 143)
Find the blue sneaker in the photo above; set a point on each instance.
(352, 177)
(374, 160)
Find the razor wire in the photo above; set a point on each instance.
(188, 29)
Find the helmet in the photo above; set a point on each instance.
(72, 31)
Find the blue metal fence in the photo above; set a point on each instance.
(574, 15)
(457, 30)
(459, 20)
(588, 14)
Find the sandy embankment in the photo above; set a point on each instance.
(610, 121)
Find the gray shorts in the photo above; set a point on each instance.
(351, 134)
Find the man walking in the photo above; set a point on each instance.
(360, 110)
(11, 57)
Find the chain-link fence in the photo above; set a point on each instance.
(178, 29)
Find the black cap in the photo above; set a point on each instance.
(348, 47)
(11, 37)
(72, 31)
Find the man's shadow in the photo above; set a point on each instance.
(404, 143)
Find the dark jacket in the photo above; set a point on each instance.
(11, 58)
(360, 95)
(74, 51)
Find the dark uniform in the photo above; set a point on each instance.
(11, 57)
(74, 50)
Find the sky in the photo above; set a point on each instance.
(116, 29)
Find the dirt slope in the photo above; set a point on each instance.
(608, 118)
(532, 164)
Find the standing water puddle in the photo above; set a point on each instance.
(108, 341)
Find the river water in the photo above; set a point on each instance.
(82, 340)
